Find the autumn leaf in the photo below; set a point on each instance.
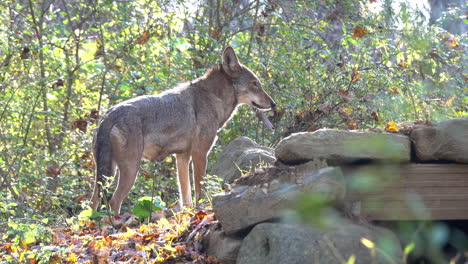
(145, 174)
(52, 170)
(72, 257)
(352, 125)
(366, 242)
(449, 102)
(345, 94)
(394, 90)
(391, 127)
(143, 38)
(348, 110)
(214, 34)
(93, 114)
(451, 43)
(80, 124)
(359, 32)
(355, 76)
(403, 64)
(343, 114)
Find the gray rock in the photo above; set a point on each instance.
(339, 147)
(244, 207)
(447, 140)
(223, 247)
(287, 243)
(241, 154)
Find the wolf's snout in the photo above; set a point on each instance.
(273, 104)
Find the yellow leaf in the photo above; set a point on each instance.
(348, 110)
(351, 260)
(72, 257)
(449, 101)
(366, 242)
(168, 159)
(391, 127)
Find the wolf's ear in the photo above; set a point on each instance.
(231, 64)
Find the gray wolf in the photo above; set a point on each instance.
(181, 121)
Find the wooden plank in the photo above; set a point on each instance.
(434, 177)
(421, 191)
(401, 197)
(425, 190)
(415, 192)
(427, 183)
(404, 214)
(430, 204)
(415, 168)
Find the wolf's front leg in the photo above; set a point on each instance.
(185, 192)
(199, 169)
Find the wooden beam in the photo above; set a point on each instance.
(414, 192)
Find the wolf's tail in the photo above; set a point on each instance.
(102, 158)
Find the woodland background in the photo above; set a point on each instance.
(335, 63)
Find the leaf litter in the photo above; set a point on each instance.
(173, 239)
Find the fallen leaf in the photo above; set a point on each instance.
(343, 114)
(352, 125)
(391, 127)
(348, 110)
(345, 94)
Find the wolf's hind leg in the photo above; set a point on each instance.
(128, 158)
(199, 170)
(185, 192)
(128, 172)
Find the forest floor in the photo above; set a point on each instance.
(168, 238)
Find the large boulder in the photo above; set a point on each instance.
(245, 206)
(340, 147)
(241, 154)
(224, 248)
(445, 141)
(290, 243)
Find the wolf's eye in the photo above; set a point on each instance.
(256, 83)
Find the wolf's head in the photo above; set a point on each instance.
(248, 87)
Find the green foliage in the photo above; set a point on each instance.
(212, 184)
(90, 215)
(27, 233)
(146, 205)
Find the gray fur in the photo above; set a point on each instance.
(181, 121)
